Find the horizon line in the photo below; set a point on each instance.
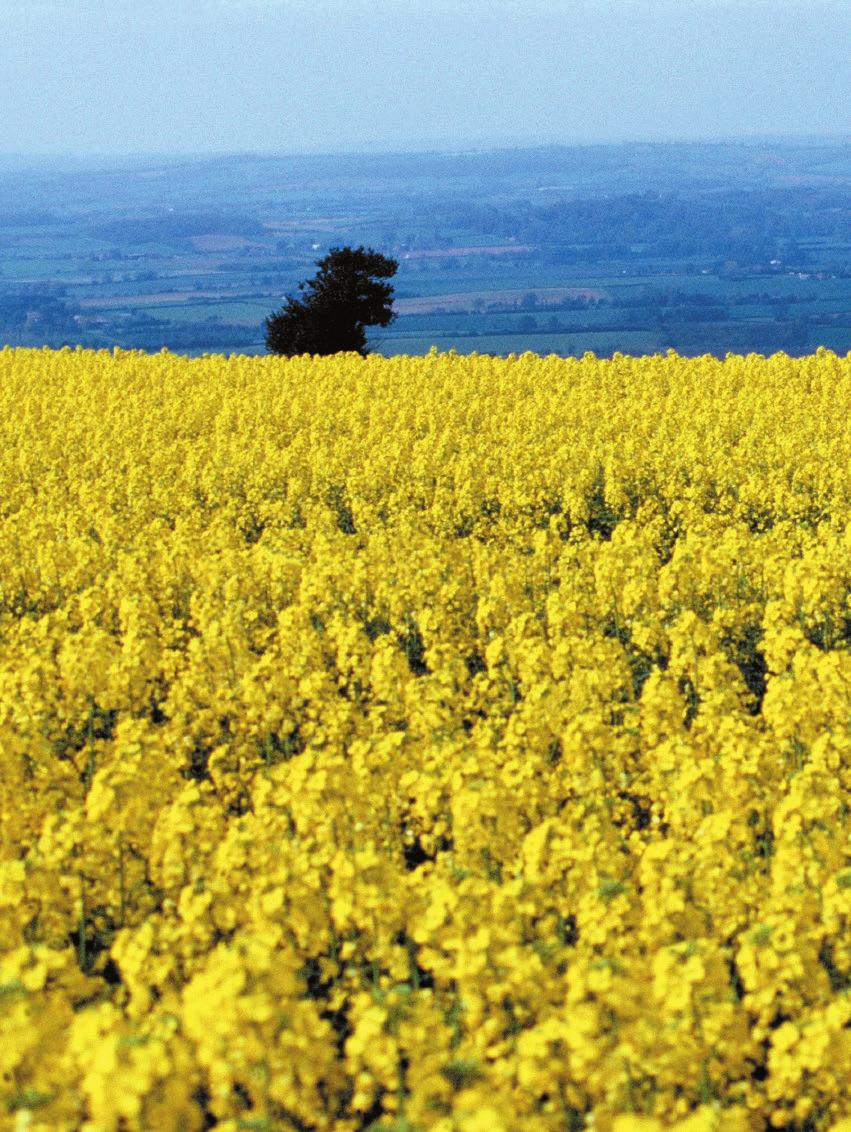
(422, 147)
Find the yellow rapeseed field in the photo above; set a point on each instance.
(446, 743)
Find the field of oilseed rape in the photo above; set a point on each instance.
(448, 743)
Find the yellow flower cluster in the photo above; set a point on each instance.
(448, 743)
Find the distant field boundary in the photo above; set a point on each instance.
(464, 300)
(472, 249)
(458, 301)
(166, 298)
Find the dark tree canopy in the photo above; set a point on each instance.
(345, 296)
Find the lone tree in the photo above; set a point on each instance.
(344, 296)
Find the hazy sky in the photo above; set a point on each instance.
(121, 76)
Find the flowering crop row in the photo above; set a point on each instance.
(443, 743)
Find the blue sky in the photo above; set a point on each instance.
(168, 76)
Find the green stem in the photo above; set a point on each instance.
(121, 881)
(81, 927)
(90, 738)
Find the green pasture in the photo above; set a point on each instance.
(568, 345)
